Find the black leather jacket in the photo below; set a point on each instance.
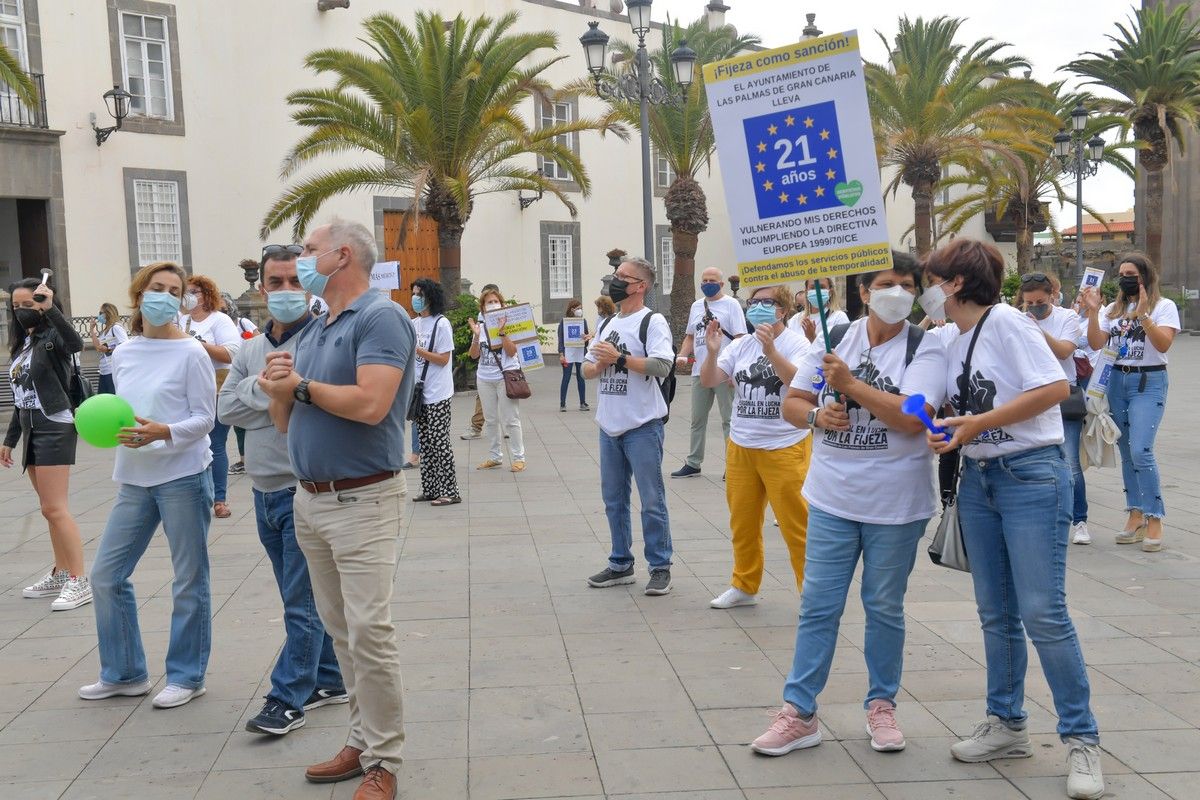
(54, 344)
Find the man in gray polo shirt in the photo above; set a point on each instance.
(342, 399)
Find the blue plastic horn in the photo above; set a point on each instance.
(915, 405)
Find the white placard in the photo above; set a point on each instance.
(1101, 373)
(1092, 278)
(798, 161)
(385, 276)
(573, 332)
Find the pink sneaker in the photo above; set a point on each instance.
(788, 732)
(881, 724)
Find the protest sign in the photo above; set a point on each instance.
(519, 324)
(1092, 278)
(385, 276)
(797, 155)
(529, 353)
(573, 332)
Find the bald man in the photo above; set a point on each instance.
(729, 313)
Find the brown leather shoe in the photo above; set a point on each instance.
(341, 767)
(377, 784)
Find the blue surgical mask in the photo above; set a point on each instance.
(418, 303)
(761, 314)
(710, 289)
(812, 297)
(310, 279)
(287, 305)
(159, 308)
(100, 318)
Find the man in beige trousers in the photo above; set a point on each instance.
(342, 399)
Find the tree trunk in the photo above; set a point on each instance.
(450, 266)
(922, 194)
(1154, 216)
(1024, 249)
(683, 290)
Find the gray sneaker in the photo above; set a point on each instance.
(608, 577)
(659, 583)
(471, 434)
(1085, 781)
(992, 739)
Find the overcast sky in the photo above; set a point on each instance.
(1047, 32)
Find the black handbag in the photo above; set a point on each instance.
(79, 388)
(416, 403)
(1074, 408)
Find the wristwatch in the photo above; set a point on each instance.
(812, 417)
(621, 361)
(301, 392)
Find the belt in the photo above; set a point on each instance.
(1128, 369)
(320, 487)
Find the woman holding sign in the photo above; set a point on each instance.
(571, 349)
(870, 497)
(500, 413)
(1140, 327)
(1014, 507)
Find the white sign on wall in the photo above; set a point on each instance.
(385, 276)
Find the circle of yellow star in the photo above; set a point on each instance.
(783, 197)
(768, 186)
(760, 167)
(830, 174)
(762, 147)
(808, 122)
(824, 134)
(789, 120)
(820, 191)
(771, 129)
(832, 153)
(802, 199)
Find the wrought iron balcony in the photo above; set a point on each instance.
(14, 112)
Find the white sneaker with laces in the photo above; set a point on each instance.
(49, 586)
(733, 597)
(77, 592)
(1079, 533)
(175, 695)
(1084, 779)
(992, 739)
(100, 690)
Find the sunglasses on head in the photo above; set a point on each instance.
(1035, 277)
(276, 249)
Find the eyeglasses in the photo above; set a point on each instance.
(765, 301)
(276, 249)
(1035, 277)
(627, 278)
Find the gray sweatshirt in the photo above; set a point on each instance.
(242, 403)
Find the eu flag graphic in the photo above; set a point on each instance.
(796, 160)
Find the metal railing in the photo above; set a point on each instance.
(14, 112)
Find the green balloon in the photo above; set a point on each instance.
(100, 418)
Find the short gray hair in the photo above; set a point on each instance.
(645, 266)
(358, 238)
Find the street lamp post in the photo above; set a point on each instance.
(643, 87)
(1081, 159)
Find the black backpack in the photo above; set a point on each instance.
(667, 384)
(915, 335)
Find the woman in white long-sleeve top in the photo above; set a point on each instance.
(163, 470)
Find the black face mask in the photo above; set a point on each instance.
(1129, 285)
(28, 317)
(1039, 311)
(618, 290)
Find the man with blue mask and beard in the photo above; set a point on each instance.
(343, 398)
(306, 675)
(728, 312)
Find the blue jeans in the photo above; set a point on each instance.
(834, 546)
(577, 368)
(1072, 440)
(416, 441)
(638, 454)
(1015, 513)
(105, 384)
(1138, 411)
(184, 507)
(307, 661)
(218, 443)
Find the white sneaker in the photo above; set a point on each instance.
(992, 739)
(733, 597)
(176, 695)
(77, 592)
(101, 690)
(1084, 780)
(1079, 533)
(49, 586)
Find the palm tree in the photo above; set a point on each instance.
(436, 106)
(1019, 191)
(937, 103)
(1155, 65)
(14, 76)
(683, 135)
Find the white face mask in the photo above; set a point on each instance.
(578, 312)
(492, 307)
(933, 301)
(188, 302)
(891, 305)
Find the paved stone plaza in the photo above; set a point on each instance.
(521, 682)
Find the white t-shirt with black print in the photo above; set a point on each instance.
(1063, 323)
(727, 311)
(758, 392)
(439, 381)
(628, 400)
(832, 320)
(492, 363)
(25, 394)
(111, 338)
(871, 473)
(217, 328)
(1011, 357)
(1128, 337)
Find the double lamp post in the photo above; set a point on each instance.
(641, 86)
(1081, 159)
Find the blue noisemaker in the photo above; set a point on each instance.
(914, 405)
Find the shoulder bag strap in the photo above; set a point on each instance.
(432, 336)
(963, 384)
